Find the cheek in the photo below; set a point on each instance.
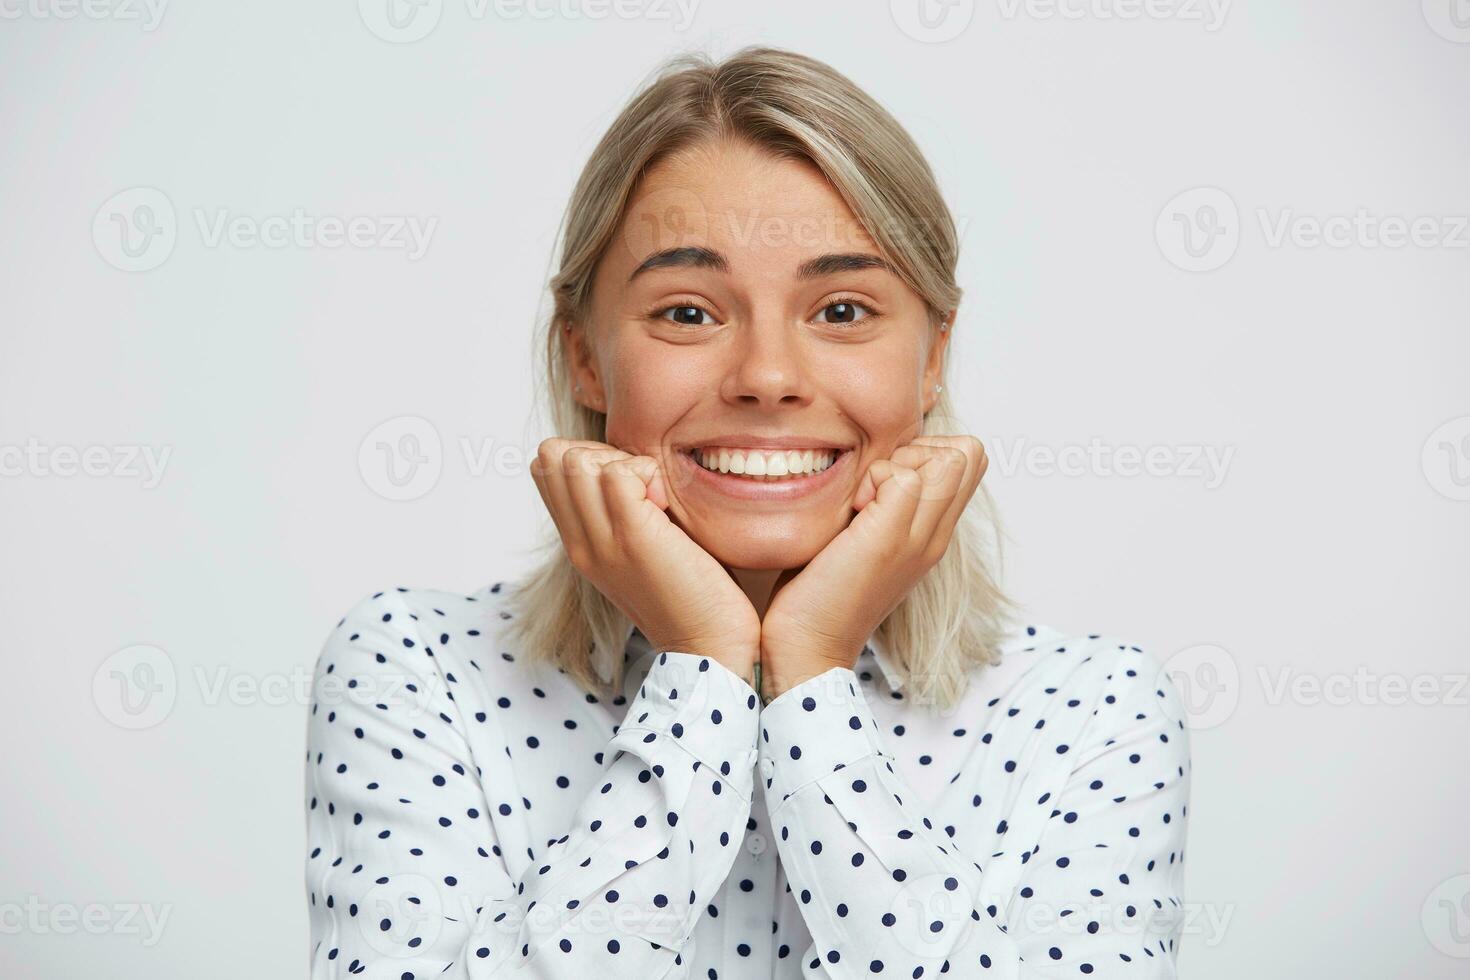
(881, 398)
(647, 395)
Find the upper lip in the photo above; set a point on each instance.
(749, 441)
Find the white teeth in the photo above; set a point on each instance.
(763, 464)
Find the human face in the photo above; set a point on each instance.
(720, 318)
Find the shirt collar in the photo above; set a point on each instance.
(637, 645)
(634, 646)
(887, 663)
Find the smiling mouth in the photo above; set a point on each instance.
(765, 465)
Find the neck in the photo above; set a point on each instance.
(758, 584)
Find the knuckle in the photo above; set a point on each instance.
(574, 461)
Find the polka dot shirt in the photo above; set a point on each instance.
(472, 815)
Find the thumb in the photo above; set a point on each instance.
(652, 474)
(878, 471)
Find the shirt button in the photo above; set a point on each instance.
(755, 843)
(767, 767)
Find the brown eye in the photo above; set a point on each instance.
(688, 316)
(844, 312)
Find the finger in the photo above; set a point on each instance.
(546, 470)
(896, 490)
(629, 485)
(913, 455)
(954, 487)
(942, 475)
(549, 454)
(926, 449)
(582, 472)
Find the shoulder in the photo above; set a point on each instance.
(408, 626)
(1110, 685)
(409, 656)
(1083, 664)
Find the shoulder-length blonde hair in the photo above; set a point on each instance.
(796, 107)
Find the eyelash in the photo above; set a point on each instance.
(872, 312)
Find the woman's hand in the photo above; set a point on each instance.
(822, 614)
(609, 507)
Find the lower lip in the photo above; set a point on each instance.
(788, 488)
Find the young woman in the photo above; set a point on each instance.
(762, 711)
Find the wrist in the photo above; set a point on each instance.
(741, 663)
(778, 677)
(784, 664)
(738, 660)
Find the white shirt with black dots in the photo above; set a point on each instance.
(472, 815)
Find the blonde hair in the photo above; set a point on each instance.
(793, 106)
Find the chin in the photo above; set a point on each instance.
(759, 549)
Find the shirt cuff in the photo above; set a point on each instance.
(813, 729)
(702, 706)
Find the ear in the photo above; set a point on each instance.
(581, 365)
(934, 363)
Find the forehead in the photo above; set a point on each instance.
(743, 201)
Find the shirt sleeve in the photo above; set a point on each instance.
(406, 877)
(909, 902)
(1102, 891)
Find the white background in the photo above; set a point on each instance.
(1327, 824)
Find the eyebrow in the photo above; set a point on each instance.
(698, 257)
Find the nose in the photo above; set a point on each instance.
(769, 364)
